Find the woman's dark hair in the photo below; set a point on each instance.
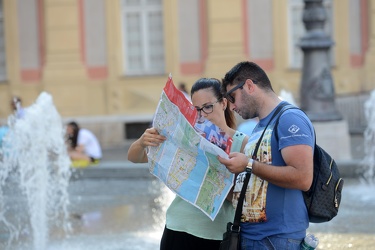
(215, 85)
(74, 137)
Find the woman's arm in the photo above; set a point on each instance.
(137, 152)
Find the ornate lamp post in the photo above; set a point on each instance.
(317, 88)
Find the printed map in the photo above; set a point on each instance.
(187, 162)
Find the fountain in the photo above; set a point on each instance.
(42, 208)
(34, 165)
(368, 163)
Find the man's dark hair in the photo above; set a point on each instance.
(243, 71)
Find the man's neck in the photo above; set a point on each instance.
(268, 104)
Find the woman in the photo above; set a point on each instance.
(83, 146)
(186, 226)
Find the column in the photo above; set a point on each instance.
(317, 88)
(225, 36)
(63, 40)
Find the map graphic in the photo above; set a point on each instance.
(187, 162)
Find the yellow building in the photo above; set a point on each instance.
(105, 62)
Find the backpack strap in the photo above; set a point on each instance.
(278, 118)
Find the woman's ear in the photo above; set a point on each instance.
(225, 103)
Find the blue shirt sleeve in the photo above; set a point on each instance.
(295, 128)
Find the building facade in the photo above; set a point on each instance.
(105, 62)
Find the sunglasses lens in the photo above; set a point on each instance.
(230, 98)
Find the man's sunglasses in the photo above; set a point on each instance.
(229, 96)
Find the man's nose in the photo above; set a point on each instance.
(231, 106)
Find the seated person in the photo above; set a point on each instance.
(83, 146)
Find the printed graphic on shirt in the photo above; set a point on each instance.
(254, 206)
(293, 129)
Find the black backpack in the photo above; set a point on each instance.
(324, 196)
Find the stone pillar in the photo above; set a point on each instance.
(63, 39)
(317, 88)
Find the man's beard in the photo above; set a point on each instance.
(248, 110)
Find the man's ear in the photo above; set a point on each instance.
(249, 84)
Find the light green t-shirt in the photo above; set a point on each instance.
(184, 217)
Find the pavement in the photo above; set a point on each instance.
(353, 228)
(119, 153)
(116, 165)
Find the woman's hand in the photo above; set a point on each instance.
(151, 137)
(137, 151)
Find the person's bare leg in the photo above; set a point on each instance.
(75, 155)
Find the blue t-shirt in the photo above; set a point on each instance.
(268, 209)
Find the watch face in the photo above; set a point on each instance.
(250, 163)
(249, 169)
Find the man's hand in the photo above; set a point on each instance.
(236, 163)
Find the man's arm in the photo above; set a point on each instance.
(297, 174)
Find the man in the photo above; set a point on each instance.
(274, 215)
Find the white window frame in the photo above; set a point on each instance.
(297, 30)
(143, 9)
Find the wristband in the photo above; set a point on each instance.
(249, 167)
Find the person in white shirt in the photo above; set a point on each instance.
(83, 146)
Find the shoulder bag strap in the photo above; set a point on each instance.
(237, 217)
